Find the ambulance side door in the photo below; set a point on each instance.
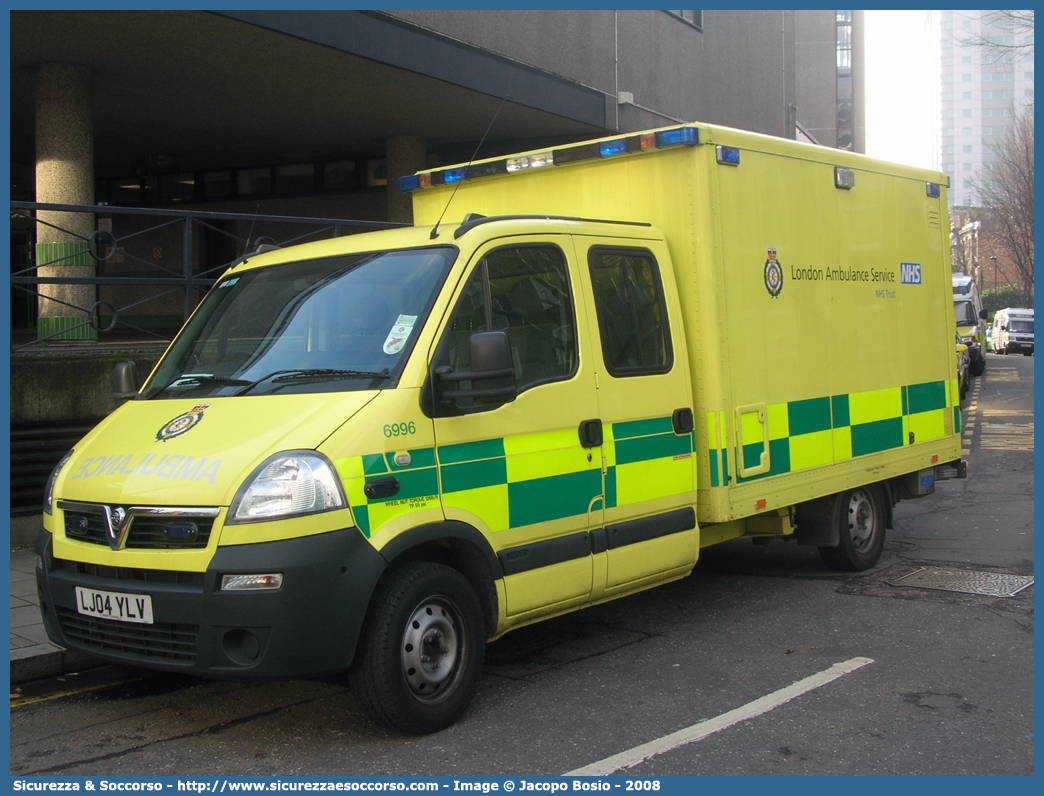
(645, 406)
(517, 471)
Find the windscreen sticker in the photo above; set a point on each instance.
(399, 334)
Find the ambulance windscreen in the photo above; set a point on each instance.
(335, 324)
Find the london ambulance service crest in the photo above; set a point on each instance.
(182, 423)
(773, 274)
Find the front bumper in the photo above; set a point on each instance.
(307, 627)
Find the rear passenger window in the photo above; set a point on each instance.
(524, 291)
(632, 316)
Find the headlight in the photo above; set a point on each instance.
(288, 484)
(49, 492)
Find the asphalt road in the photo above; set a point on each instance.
(947, 690)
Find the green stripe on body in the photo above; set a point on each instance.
(640, 449)
(545, 499)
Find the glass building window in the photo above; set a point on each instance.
(177, 187)
(295, 179)
(339, 176)
(217, 184)
(254, 181)
(694, 18)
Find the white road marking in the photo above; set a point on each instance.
(698, 732)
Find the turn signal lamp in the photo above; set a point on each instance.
(251, 582)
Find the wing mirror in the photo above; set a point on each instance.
(492, 375)
(124, 380)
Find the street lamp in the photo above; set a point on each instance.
(994, 274)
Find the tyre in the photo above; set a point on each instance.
(860, 516)
(978, 365)
(1026, 353)
(419, 659)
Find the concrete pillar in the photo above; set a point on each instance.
(407, 154)
(64, 175)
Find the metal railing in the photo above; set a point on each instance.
(105, 249)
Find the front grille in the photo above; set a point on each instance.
(131, 574)
(86, 527)
(168, 641)
(145, 533)
(151, 533)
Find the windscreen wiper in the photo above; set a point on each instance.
(195, 379)
(316, 374)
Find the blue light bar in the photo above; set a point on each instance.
(453, 175)
(682, 135)
(616, 147)
(727, 155)
(933, 189)
(407, 184)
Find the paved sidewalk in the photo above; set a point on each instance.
(33, 656)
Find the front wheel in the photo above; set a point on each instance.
(860, 516)
(420, 657)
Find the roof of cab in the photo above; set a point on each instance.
(457, 233)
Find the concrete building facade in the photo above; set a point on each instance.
(317, 112)
(986, 73)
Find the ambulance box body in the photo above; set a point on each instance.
(579, 367)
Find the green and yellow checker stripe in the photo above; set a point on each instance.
(645, 460)
(418, 486)
(821, 431)
(511, 482)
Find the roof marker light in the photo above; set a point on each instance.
(647, 141)
(425, 180)
(727, 155)
(681, 135)
(933, 189)
(407, 184)
(844, 178)
(453, 175)
(615, 147)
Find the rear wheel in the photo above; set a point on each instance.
(860, 516)
(420, 657)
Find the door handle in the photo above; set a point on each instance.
(591, 433)
(681, 420)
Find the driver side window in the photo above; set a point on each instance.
(523, 291)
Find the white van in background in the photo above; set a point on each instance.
(1013, 331)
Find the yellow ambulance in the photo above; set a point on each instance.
(578, 368)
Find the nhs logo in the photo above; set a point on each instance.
(911, 273)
